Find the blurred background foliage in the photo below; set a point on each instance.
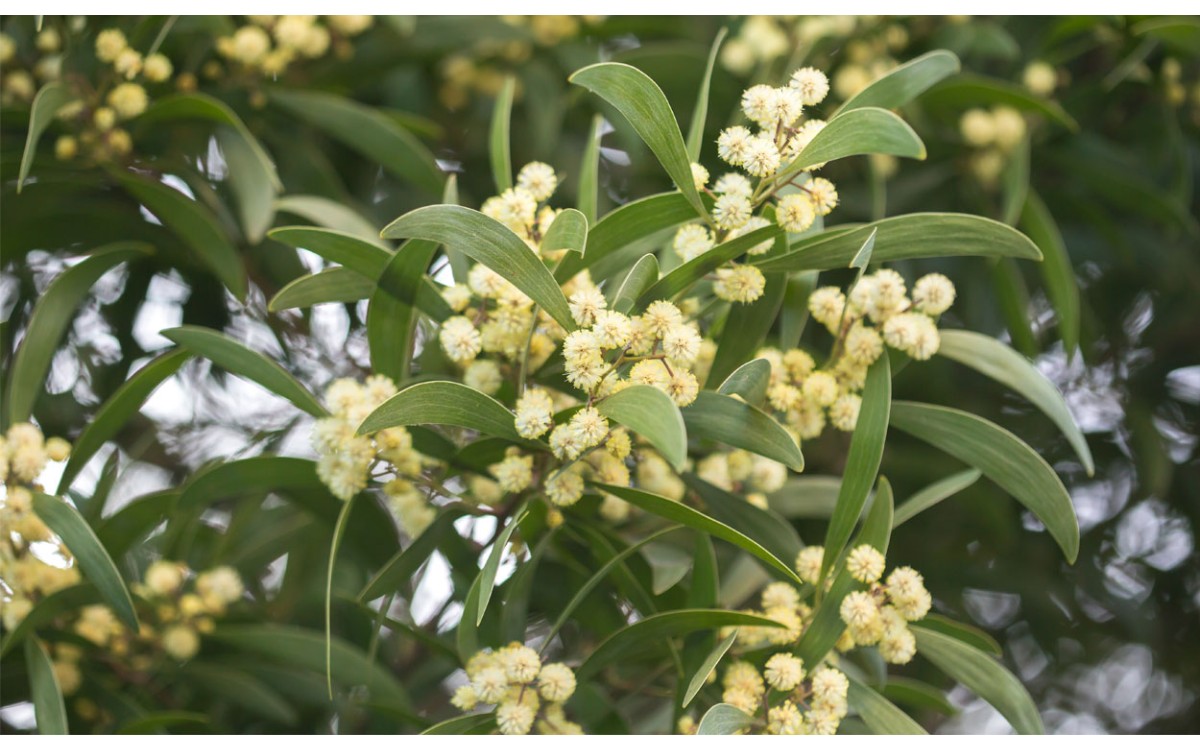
(1108, 162)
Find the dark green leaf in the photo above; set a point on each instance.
(589, 173)
(653, 415)
(49, 608)
(339, 531)
(1002, 457)
(500, 150)
(1056, 271)
(49, 100)
(154, 722)
(968, 89)
(626, 225)
(695, 136)
(241, 360)
(749, 381)
(880, 714)
(918, 694)
(252, 182)
(706, 668)
(681, 278)
(332, 215)
(487, 575)
(968, 634)
(44, 691)
(97, 567)
(443, 402)
(392, 314)
(715, 416)
(244, 690)
(469, 724)
(764, 526)
(407, 561)
(746, 328)
(935, 493)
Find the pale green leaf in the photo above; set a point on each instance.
(253, 183)
(903, 84)
(626, 225)
(651, 414)
(707, 666)
(725, 419)
(500, 150)
(568, 232)
(695, 136)
(588, 192)
(880, 714)
(336, 284)
(443, 402)
(935, 493)
(749, 381)
(643, 274)
(487, 574)
(867, 130)
(332, 215)
(722, 719)
(681, 278)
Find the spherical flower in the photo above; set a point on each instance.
(863, 345)
(180, 642)
(164, 578)
(556, 682)
(1040, 78)
(248, 45)
(731, 211)
(812, 85)
(803, 137)
(742, 675)
(758, 103)
(516, 208)
(521, 663)
(460, 340)
(535, 413)
(784, 672)
(564, 488)
(350, 25)
(739, 284)
(681, 344)
(490, 684)
(221, 584)
(682, 387)
(829, 685)
(57, 449)
(752, 224)
(740, 699)
(109, 44)
(865, 564)
(661, 316)
(780, 594)
(484, 376)
(906, 590)
(128, 100)
(691, 241)
(768, 475)
(795, 212)
(733, 143)
(933, 294)
(808, 563)
(826, 306)
(514, 473)
(66, 148)
(699, 176)
(785, 719)
(590, 426)
(157, 68)
(464, 698)
(1010, 127)
(585, 303)
(538, 179)
(824, 195)
(612, 329)
(978, 128)
(821, 388)
(762, 157)
(843, 413)
(457, 297)
(733, 183)
(484, 281)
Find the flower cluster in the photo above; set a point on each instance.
(178, 608)
(34, 562)
(527, 694)
(742, 472)
(739, 205)
(347, 461)
(994, 133)
(267, 45)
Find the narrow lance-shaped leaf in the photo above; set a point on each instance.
(500, 149)
(1056, 271)
(94, 562)
(1002, 457)
(654, 416)
(694, 519)
(980, 90)
(336, 246)
(643, 274)
(339, 531)
(568, 232)
(44, 690)
(336, 284)
(880, 714)
(492, 244)
(695, 135)
(443, 402)
(681, 278)
(707, 666)
(644, 105)
(369, 132)
(760, 524)
(1000, 363)
(982, 675)
(254, 184)
(862, 462)
(392, 312)
(405, 563)
(723, 719)
(746, 327)
(49, 100)
(653, 629)
(905, 83)
(749, 381)
(118, 409)
(868, 130)
(241, 360)
(928, 235)
(487, 575)
(725, 419)
(332, 215)
(935, 493)
(588, 191)
(626, 225)
(51, 315)
(195, 226)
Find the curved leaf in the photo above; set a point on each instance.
(487, 574)
(724, 718)
(363, 256)
(655, 628)
(242, 689)
(961, 631)
(500, 150)
(643, 274)
(1002, 457)
(695, 136)
(407, 561)
(682, 277)
(241, 360)
(694, 519)
(1057, 272)
(935, 493)
(369, 132)
(117, 410)
(332, 215)
(195, 226)
(469, 724)
(880, 714)
(51, 315)
(93, 559)
(339, 531)
(748, 381)
(746, 327)
(905, 83)
(568, 232)
(862, 461)
(764, 526)
(443, 402)
(47, 609)
(706, 668)
(867, 130)
(391, 314)
(639, 99)
(975, 90)
(44, 691)
(253, 184)
(927, 235)
(625, 225)
(491, 243)
(653, 415)
(982, 675)
(336, 284)
(589, 172)
(1000, 363)
(725, 419)
(49, 100)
